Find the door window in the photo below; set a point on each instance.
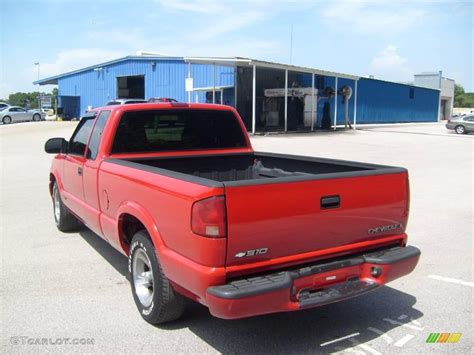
(97, 135)
(78, 142)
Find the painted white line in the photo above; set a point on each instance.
(365, 347)
(388, 339)
(349, 351)
(404, 340)
(408, 325)
(453, 281)
(340, 339)
(403, 316)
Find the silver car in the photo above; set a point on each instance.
(16, 114)
(125, 102)
(461, 125)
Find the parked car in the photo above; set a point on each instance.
(15, 114)
(161, 99)
(46, 109)
(3, 105)
(124, 102)
(461, 125)
(200, 214)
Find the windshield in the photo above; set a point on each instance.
(177, 130)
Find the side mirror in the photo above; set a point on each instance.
(55, 145)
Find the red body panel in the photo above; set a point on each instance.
(288, 219)
(285, 218)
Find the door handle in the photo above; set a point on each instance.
(330, 202)
(79, 170)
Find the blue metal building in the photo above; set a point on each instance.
(269, 96)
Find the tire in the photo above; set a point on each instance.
(36, 117)
(460, 129)
(152, 292)
(64, 219)
(7, 120)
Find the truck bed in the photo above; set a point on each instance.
(295, 208)
(255, 168)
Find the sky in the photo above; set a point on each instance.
(389, 39)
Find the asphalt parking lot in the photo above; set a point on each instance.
(57, 285)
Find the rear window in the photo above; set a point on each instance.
(175, 130)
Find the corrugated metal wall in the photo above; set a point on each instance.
(378, 101)
(385, 102)
(165, 78)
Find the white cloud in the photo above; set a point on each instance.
(73, 59)
(388, 64)
(220, 17)
(373, 17)
(65, 61)
(199, 6)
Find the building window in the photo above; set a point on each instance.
(412, 93)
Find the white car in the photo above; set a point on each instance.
(17, 114)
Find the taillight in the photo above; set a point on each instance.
(208, 217)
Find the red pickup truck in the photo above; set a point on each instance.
(180, 191)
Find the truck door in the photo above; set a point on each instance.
(91, 173)
(73, 193)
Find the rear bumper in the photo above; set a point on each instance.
(312, 285)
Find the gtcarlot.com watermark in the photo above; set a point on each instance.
(27, 340)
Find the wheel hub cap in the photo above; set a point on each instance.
(143, 278)
(56, 206)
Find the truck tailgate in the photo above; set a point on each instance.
(277, 220)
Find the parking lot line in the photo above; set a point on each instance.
(404, 340)
(339, 339)
(454, 281)
(384, 336)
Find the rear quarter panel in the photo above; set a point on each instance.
(165, 203)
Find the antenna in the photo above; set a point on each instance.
(291, 44)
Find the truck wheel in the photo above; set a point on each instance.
(460, 129)
(65, 220)
(156, 300)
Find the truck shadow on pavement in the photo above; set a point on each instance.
(381, 318)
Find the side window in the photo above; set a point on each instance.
(78, 142)
(97, 135)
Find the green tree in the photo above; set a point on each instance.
(462, 98)
(28, 100)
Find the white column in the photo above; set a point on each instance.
(254, 96)
(235, 86)
(189, 77)
(335, 105)
(286, 100)
(312, 102)
(355, 103)
(222, 97)
(214, 83)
